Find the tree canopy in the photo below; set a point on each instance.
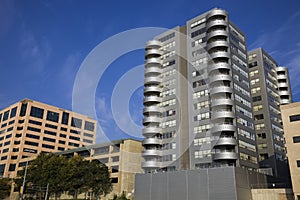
(5, 186)
(70, 175)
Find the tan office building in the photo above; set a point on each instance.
(28, 128)
(291, 125)
(123, 158)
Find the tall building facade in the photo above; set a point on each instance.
(291, 123)
(29, 128)
(270, 87)
(197, 104)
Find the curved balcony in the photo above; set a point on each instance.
(149, 131)
(222, 114)
(220, 89)
(226, 141)
(283, 85)
(154, 44)
(152, 109)
(152, 89)
(219, 77)
(281, 69)
(225, 155)
(219, 54)
(153, 62)
(222, 127)
(221, 102)
(151, 119)
(216, 12)
(152, 80)
(154, 52)
(216, 33)
(220, 43)
(152, 99)
(217, 22)
(151, 164)
(218, 66)
(281, 76)
(153, 70)
(284, 93)
(151, 152)
(285, 101)
(151, 141)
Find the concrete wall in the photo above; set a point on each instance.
(272, 194)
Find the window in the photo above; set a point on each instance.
(296, 139)
(198, 32)
(32, 136)
(37, 112)
(294, 118)
(102, 150)
(52, 116)
(253, 64)
(60, 148)
(12, 167)
(76, 122)
(14, 157)
(257, 98)
(61, 142)
(5, 116)
(74, 131)
(88, 135)
(87, 141)
(262, 135)
(51, 126)
(48, 139)
(23, 109)
(167, 37)
(115, 159)
(35, 122)
(298, 163)
(103, 160)
(31, 143)
(5, 150)
(63, 135)
(33, 129)
(73, 144)
(74, 138)
(259, 117)
(47, 146)
(49, 132)
(13, 112)
(90, 126)
(65, 118)
(63, 129)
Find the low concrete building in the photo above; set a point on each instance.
(291, 124)
(123, 158)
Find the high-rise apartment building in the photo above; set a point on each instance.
(270, 87)
(197, 105)
(291, 123)
(28, 128)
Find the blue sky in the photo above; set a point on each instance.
(43, 44)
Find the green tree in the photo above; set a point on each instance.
(5, 186)
(98, 178)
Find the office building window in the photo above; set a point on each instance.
(23, 109)
(296, 139)
(5, 115)
(294, 118)
(51, 126)
(90, 126)
(49, 132)
(33, 129)
(32, 143)
(52, 116)
(35, 122)
(76, 122)
(298, 163)
(47, 146)
(12, 167)
(32, 136)
(13, 112)
(65, 118)
(88, 135)
(115, 159)
(48, 139)
(37, 112)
